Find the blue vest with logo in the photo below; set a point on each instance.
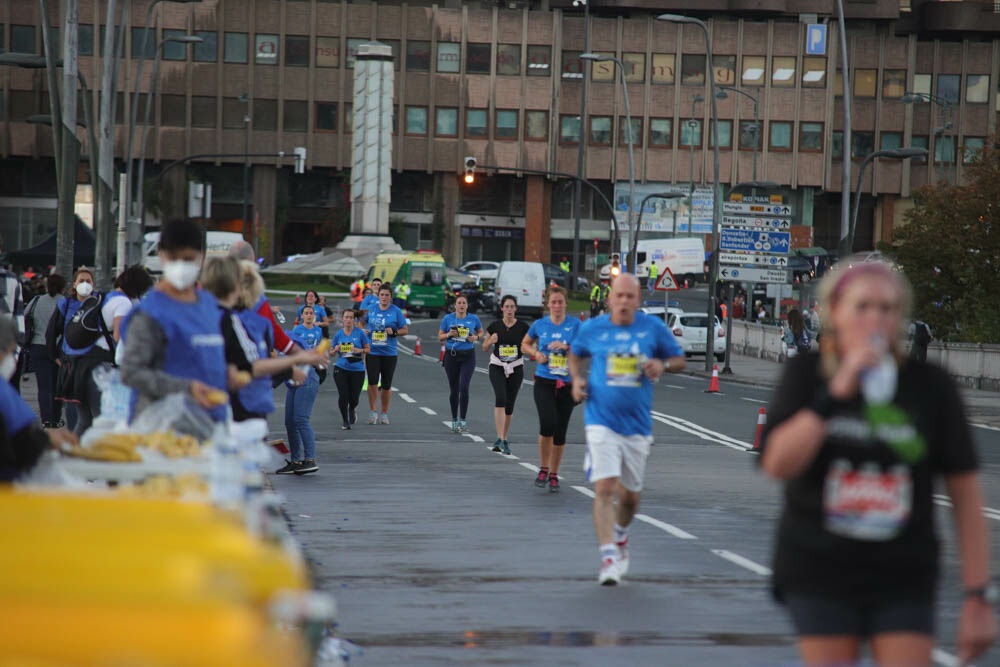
(257, 397)
(68, 308)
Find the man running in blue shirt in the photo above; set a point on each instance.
(628, 352)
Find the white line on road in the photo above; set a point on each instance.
(582, 489)
(745, 563)
(427, 410)
(529, 466)
(752, 400)
(407, 398)
(666, 527)
(489, 448)
(703, 433)
(473, 437)
(986, 426)
(945, 659)
(674, 386)
(988, 512)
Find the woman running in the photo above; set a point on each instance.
(459, 330)
(547, 343)
(385, 322)
(506, 367)
(312, 301)
(299, 403)
(350, 344)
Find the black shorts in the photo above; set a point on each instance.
(827, 617)
(378, 366)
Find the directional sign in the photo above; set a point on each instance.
(666, 282)
(750, 240)
(752, 222)
(733, 258)
(754, 275)
(739, 208)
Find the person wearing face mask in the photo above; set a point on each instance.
(173, 337)
(860, 440)
(22, 438)
(60, 350)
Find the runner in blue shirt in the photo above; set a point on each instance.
(547, 343)
(385, 323)
(350, 344)
(370, 301)
(628, 351)
(458, 332)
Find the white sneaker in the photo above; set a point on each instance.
(373, 417)
(611, 572)
(384, 419)
(623, 557)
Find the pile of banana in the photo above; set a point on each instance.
(187, 485)
(123, 447)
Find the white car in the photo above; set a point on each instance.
(658, 311)
(485, 270)
(689, 329)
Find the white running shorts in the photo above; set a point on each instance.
(611, 454)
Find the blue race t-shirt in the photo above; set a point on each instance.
(368, 303)
(306, 338)
(384, 345)
(620, 396)
(350, 347)
(543, 332)
(16, 412)
(466, 326)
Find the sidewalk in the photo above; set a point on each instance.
(982, 407)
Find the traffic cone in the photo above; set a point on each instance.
(298, 299)
(418, 349)
(713, 385)
(759, 433)
(441, 356)
(280, 446)
(687, 283)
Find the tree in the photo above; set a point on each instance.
(949, 249)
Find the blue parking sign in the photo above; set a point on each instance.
(816, 39)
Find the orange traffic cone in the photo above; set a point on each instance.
(441, 356)
(713, 385)
(279, 446)
(418, 349)
(687, 283)
(298, 299)
(759, 433)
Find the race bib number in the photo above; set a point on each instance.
(380, 338)
(463, 334)
(867, 504)
(623, 371)
(346, 348)
(557, 364)
(508, 352)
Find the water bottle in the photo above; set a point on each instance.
(878, 382)
(226, 471)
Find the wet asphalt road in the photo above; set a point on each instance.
(440, 552)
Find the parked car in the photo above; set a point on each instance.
(554, 274)
(658, 311)
(526, 282)
(690, 328)
(485, 270)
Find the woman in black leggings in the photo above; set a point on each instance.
(506, 367)
(459, 331)
(350, 345)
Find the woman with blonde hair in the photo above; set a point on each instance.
(859, 439)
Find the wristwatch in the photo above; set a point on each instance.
(990, 593)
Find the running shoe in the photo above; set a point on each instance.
(306, 467)
(454, 427)
(463, 427)
(553, 483)
(623, 556)
(346, 426)
(352, 416)
(504, 448)
(498, 445)
(384, 419)
(611, 572)
(289, 468)
(373, 417)
(543, 477)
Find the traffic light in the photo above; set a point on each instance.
(616, 268)
(470, 170)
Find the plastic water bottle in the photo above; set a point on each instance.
(249, 439)
(878, 383)
(227, 471)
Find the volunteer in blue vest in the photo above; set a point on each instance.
(173, 337)
(350, 344)
(459, 331)
(628, 352)
(22, 438)
(547, 343)
(55, 340)
(385, 323)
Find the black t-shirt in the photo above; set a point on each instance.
(508, 347)
(858, 523)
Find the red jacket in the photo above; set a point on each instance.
(282, 343)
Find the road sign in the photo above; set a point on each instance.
(739, 208)
(750, 240)
(757, 199)
(666, 282)
(816, 39)
(753, 222)
(754, 275)
(737, 259)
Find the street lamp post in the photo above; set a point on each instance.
(947, 124)
(692, 124)
(631, 153)
(716, 196)
(896, 154)
(756, 119)
(580, 148)
(245, 98)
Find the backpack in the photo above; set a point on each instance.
(87, 325)
(802, 344)
(921, 336)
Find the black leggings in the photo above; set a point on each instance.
(505, 388)
(379, 365)
(459, 368)
(349, 385)
(555, 407)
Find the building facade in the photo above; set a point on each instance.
(502, 81)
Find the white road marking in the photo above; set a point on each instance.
(427, 410)
(473, 437)
(745, 563)
(529, 466)
(752, 400)
(673, 386)
(986, 426)
(703, 433)
(489, 448)
(666, 527)
(945, 501)
(945, 659)
(407, 398)
(582, 489)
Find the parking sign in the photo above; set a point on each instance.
(816, 39)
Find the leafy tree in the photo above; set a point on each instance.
(949, 249)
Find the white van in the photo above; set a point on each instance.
(684, 257)
(525, 281)
(217, 245)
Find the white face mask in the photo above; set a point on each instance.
(180, 274)
(8, 366)
(84, 289)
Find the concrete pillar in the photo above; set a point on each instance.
(538, 220)
(888, 218)
(450, 193)
(263, 209)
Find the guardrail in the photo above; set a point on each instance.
(972, 365)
